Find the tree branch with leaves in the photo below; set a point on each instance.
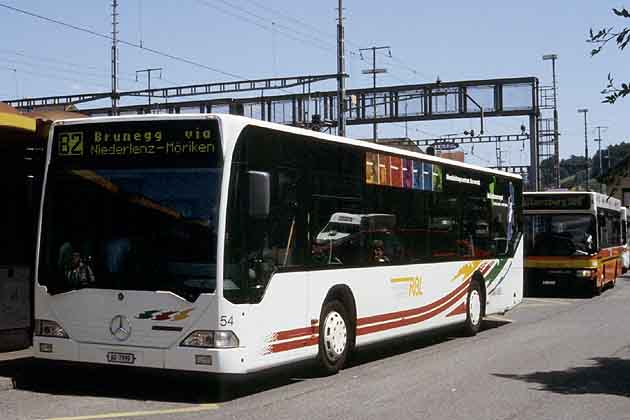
(621, 37)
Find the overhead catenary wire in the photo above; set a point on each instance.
(266, 24)
(60, 69)
(123, 42)
(315, 41)
(54, 60)
(51, 76)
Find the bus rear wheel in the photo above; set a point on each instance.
(597, 288)
(474, 310)
(334, 337)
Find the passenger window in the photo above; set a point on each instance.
(444, 226)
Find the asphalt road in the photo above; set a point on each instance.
(553, 357)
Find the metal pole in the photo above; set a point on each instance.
(586, 152)
(341, 70)
(599, 142)
(114, 57)
(406, 130)
(148, 72)
(533, 142)
(374, 91)
(584, 111)
(373, 72)
(556, 133)
(599, 148)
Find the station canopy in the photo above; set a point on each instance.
(30, 127)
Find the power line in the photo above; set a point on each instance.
(51, 59)
(305, 35)
(408, 67)
(267, 27)
(286, 15)
(130, 44)
(321, 43)
(57, 68)
(51, 76)
(351, 54)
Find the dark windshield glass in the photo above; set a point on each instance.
(560, 235)
(134, 229)
(131, 204)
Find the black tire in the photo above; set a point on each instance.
(335, 337)
(596, 288)
(474, 309)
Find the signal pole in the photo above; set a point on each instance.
(373, 72)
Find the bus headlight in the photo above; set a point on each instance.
(225, 340)
(211, 339)
(46, 328)
(584, 273)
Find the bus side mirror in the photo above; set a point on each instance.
(259, 194)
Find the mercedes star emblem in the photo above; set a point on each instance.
(120, 327)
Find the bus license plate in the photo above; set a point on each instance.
(128, 358)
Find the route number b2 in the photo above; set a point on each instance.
(71, 144)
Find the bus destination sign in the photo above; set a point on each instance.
(557, 202)
(137, 140)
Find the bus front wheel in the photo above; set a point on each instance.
(474, 311)
(334, 336)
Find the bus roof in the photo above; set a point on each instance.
(245, 121)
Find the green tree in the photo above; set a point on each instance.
(621, 37)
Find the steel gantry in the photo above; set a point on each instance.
(472, 99)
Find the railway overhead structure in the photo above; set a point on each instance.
(469, 99)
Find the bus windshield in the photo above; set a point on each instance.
(125, 224)
(560, 234)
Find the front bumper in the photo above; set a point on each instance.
(232, 361)
(559, 278)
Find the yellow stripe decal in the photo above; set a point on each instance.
(194, 409)
(402, 279)
(563, 263)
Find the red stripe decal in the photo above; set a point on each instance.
(487, 268)
(298, 332)
(292, 345)
(461, 309)
(409, 316)
(408, 321)
(410, 312)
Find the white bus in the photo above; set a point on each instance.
(189, 242)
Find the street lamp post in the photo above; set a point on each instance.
(584, 111)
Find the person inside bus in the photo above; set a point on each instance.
(378, 252)
(79, 273)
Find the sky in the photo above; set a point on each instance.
(251, 39)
